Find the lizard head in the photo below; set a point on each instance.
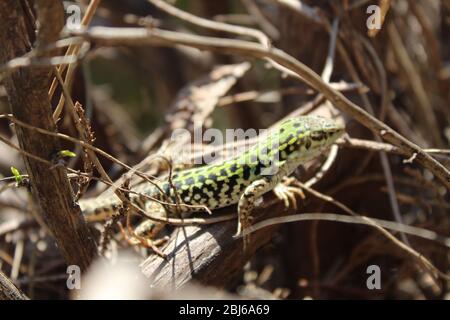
(322, 131)
(306, 136)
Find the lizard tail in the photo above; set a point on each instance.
(99, 209)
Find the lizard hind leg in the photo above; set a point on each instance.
(146, 232)
(151, 228)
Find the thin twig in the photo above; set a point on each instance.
(419, 232)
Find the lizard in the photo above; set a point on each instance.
(240, 180)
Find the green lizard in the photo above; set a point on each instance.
(240, 180)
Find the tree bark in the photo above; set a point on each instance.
(8, 291)
(207, 254)
(27, 90)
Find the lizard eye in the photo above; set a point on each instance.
(317, 135)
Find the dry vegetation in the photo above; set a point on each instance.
(113, 91)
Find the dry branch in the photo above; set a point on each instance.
(207, 254)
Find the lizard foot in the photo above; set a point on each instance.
(244, 222)
(287, 193)
(138, 237)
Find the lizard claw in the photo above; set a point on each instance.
(245, 238)
(243, 223)
(288, 194)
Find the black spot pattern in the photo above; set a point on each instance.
(307, 143)
(246, 172)
(212, 176)
(177, 184)
(289, 138)
(233, 168)
(189, 181)
(258, 168)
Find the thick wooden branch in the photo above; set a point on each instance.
(207, 254)
(8, 291)
(27, 90)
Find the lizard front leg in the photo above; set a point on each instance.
(247, 203)
(255, 190)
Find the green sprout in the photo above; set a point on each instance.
(17, 175)
(66, 153)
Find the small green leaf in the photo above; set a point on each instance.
(67, 153)
(17, 175)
